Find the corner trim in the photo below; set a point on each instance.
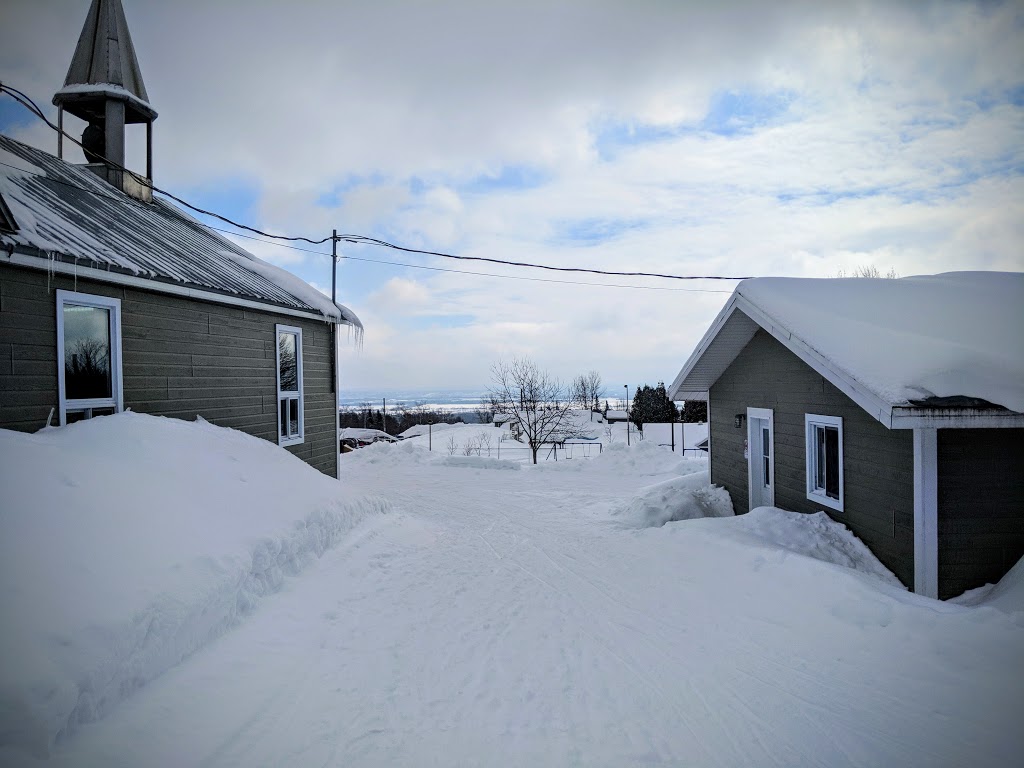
(926, 517)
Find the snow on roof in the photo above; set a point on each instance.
(907, 341)
(66, 212)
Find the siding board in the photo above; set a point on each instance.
(980, 506)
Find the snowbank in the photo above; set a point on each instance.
(811, 535)
(683, 498)
(646, 458)
(1007, 595)
(128, 542)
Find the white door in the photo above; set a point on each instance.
(761, 453)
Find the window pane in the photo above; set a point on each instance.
(831, 462)
(284, 418)
(289, 370)
(293, 417)
(819, 457)
(86, 353)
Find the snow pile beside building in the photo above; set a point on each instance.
(811, 535)
(1007, 595)
(683, 498)
(127, 543)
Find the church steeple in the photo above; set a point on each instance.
(104, 87)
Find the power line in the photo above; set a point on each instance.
(468, 272)
(361, 239)
(29, 104)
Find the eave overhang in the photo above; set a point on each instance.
(31, 258)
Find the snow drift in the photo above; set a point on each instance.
(684, 498)
(127, 543)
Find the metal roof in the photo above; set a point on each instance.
(65, 212)
(105, 56)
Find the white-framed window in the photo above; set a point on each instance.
(825, 460)
(88, 356)
(290, 420)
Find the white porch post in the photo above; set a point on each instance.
(926, 513)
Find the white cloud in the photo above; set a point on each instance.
(893, 143)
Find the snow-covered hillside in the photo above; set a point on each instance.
(189, 595)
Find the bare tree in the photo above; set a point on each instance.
(484, 441)
(453, 445)
(535, 402)
(869, 270)
(587, 390)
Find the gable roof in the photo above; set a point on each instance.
(937, 350)
(71, 220)
(105, 63)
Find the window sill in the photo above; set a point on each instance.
(291, 441)
(819, 497)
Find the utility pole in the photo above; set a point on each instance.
(335, 375)
(627, 413)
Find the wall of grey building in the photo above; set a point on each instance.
(981, 506)
(180, 358)
(878, 463)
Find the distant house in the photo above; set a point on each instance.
(111, 299)
(615, 417)
(896, 406)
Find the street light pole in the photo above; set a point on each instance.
(627, 413)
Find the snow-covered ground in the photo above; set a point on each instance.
(177, 594)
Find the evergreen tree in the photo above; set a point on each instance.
(695, 411)
(651, 405)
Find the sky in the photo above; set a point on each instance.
(801, 139)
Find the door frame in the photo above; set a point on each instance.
(754, 417)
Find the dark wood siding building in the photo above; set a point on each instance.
(878, 462)
(112, 298)
(180, 358)
(933, 485)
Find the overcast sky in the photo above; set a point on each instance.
(795, 139)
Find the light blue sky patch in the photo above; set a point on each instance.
(730, 113)
(738, 112)
(510, 177)
(594, 231)
(234, 198)
(13, 115)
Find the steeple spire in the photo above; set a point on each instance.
(104, 87)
